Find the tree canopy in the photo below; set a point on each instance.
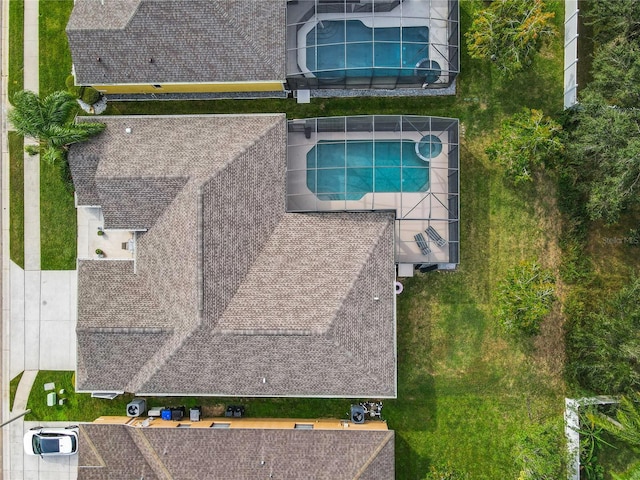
(527, 140)
(603, 156)
(613, 18)
(510, 33)
(604, 346)
(616, 72)
(50, 120)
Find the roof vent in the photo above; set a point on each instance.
(128, 130)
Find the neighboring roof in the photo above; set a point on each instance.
(119, 451)
(174, 41)
(229, 294)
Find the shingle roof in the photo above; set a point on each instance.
(123, 452)
(228, 289)
(169, 41)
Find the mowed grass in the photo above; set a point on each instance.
(464, 391)
(55, 57)
(58, 224)
(58, 220)
(16, 198)
(16, 47)
(82, 408)
(13, 388)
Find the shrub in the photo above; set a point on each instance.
(524, 298)
(32, 150)
(72, 88)
(90, 95)
(540, 450)
(527, 140)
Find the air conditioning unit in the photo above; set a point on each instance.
(357, 413)
(136, 407)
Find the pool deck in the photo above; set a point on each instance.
(415, 211)
(409, 13)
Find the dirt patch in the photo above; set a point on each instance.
(213, 411)
(549, 345)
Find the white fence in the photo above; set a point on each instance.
(572, 425)
(570, 53)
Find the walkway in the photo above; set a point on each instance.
(38, 307)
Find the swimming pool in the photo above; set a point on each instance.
(349, 48)
(347, 170)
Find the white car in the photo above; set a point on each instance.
(51, 441)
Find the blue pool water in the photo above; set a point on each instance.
(374, 51)
(349, 170)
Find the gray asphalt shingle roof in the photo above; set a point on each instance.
(175, 41)
(228, 289)
(118, 451)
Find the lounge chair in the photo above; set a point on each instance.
(435, 236)
(422, 243)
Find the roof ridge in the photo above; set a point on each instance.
(149, 453)
(374, 455)
(204, 320)
(364, 263)
(92, 446)
(159, 359)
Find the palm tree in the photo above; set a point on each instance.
(50, 120)
(626, 425)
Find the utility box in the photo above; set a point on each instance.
(194, 414)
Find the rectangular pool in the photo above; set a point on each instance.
(350, 48)
(348, 170)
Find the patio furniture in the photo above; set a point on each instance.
(52, 399)
(422, 244)
(435, 236)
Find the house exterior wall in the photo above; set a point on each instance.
(137, 88)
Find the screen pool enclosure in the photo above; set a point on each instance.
(408, 164)
(372, 44)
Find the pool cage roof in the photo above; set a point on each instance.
(372, 43)
(407, 164)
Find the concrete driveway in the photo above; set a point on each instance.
(27, 467)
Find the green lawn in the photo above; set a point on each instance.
(81, 407)
(13, 388)
(16, 198)
(58, 220)
(55, 57)
(16, 47)
(57, 213)
(464, 392)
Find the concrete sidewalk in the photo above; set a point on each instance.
(31, 163)
(24, 388)
(38, 307)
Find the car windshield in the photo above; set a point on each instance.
(35, 441)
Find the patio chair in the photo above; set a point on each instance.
(435, 236)
(422, 244)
